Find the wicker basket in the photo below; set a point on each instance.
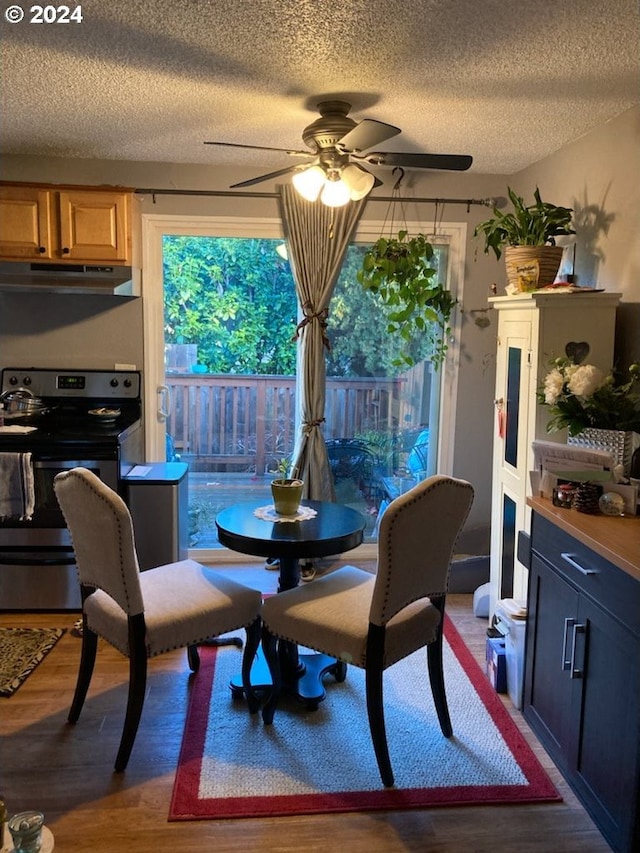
(531, 267)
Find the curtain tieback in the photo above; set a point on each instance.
(309, 315)
(307, 426)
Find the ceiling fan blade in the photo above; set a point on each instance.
(365, 134)
(252, 181)
(261, 148)
(453, 162)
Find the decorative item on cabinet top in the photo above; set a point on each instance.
(586, 498)
(527, 236)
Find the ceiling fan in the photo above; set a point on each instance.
(338, 146)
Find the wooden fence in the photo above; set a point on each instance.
(247, 423)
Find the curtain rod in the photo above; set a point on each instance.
(485, 202)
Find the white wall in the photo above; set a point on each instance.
(599, 176)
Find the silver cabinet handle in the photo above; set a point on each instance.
(566, 662)
(577, 629)
(569, 558)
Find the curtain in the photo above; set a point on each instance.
(317, 240)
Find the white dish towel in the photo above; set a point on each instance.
(17, 492)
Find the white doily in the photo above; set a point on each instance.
(268, 513)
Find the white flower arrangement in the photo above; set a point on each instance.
(581, 396)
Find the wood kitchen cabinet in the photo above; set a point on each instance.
(65, 224)
(582, 671)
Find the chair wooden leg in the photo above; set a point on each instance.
(270, 649)
(436, 676)
(375, 706)
(87, 661)
(193, 658)
(137, 687)
(248, 657)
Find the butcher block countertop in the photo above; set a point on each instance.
(615, 539)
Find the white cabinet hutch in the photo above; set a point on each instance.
(533, 328)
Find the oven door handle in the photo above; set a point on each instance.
(67, 464)
(12, 560)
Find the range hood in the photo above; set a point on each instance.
(102, 279)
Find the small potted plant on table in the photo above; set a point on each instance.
(286, 489)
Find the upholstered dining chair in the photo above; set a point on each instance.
(143, 614)
(373, 621)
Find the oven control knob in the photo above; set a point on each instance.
(27, 380)
(114, 383)
(13, 380)
(127, 383)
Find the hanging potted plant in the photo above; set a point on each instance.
(286, 489)
(527, 236)
(398, 271)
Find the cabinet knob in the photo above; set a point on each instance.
(41, 250)
(65, 251)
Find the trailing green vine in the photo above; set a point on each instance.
(398, 271)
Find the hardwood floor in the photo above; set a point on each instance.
(68, 771)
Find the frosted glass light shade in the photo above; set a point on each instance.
(310, 182)
(353, 183)
(358, 181)
(335, 194)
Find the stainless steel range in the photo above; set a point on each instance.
(87, 417)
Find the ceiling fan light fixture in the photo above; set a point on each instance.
(309, 182)
(335, 193)
(358, 181)
(333, 139)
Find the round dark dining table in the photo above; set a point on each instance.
(334, 529)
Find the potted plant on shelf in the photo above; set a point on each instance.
(286, 489)
(397, 270)
(527, 236)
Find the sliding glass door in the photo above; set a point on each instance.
(221, 388)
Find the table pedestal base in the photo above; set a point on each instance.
(309, 687)
(305, 683)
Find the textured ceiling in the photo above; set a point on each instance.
(508, 81)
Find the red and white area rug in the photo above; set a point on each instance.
(231, 765)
